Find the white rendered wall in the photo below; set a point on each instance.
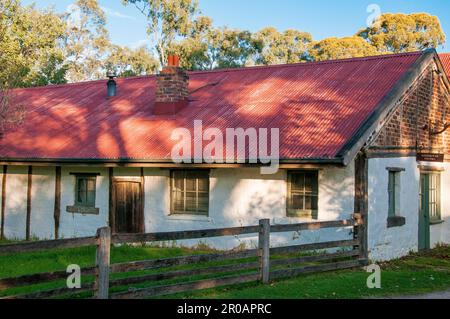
(440, 233)
(42, 223)
(78, 225)
(16, 202)
(390, 243)
(241, 197)
(238, 197)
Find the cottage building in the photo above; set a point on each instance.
(365, 135)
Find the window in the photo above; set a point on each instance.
(190, 192)
(394, 193)
(394, 188)
(303, 194)
(85, 192)
(435, 198)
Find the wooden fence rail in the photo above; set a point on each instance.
(262, 264)
(47, 245)
(183, 235)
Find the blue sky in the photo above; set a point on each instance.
(322, 18)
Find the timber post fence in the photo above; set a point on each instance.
(102, 263)
(263, 264)
(264, 250)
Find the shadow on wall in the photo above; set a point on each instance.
(251, 196)
(16, 203)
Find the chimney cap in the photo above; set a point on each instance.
(173, 60)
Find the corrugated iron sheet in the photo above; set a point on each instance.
(445, 59)
(316, 106)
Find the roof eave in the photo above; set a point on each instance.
(162, 162)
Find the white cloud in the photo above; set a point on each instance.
(117, 14)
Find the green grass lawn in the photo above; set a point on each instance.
(416, 274)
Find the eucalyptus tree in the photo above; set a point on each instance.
(290, 46)
(87, 42)
(396, 33)
(30, 51)
(208, 47)
(126, 62)
(168, 22)
(341, 48)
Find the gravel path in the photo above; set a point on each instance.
(434, 295)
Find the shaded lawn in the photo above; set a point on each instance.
(334, 285)
(416, 274)
(15, 265)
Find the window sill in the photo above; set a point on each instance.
(436, 222)
(83, 210)
(307, 214)
(190, 218)
(293, 220)
(396, 221)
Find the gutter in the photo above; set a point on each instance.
(155, 163)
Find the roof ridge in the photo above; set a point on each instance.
(63, 85)
(373, 57)
(335, 61)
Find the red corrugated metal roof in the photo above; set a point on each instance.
(318, 107)
(445, 59)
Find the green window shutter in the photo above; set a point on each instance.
(391, 190)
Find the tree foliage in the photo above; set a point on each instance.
(290, 46)
(167, 21)
(396, 33)
(11, 113)
(30, 54)
(341, 48)
(126, 62)
(208, 47)
(87, 41)
(40, 47)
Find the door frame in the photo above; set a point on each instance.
(424, 231)
(114, 180)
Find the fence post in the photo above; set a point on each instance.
(264, 250)
(102, 263)
(359, 234)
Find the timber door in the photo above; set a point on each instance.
(424, 212)
(128, 207)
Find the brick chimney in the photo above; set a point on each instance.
(172, 88)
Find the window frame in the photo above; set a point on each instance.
(394, 191)
(394, 197)
(81, 207)
(437, 201)
(303, 213)
(87, 202)
(173, 211)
